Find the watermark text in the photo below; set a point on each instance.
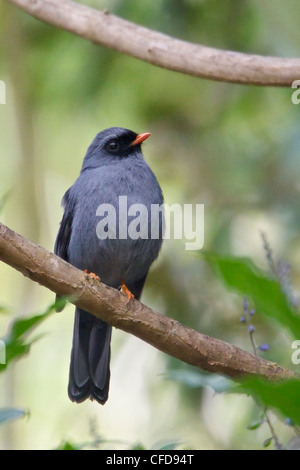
(160, 221)
(2, 92)
(296, 94)
(296, 354)
(2, 352)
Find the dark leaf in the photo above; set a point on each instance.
(283, 396)
(242, 276)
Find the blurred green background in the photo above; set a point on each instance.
(234, 148)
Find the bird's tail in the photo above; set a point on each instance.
(90, 357)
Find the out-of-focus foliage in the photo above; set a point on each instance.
(283, 395)
(196, 379)
(242, 276)
(234, 148)
(9, 414)
(16, 340)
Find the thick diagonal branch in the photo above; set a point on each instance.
(113, 307)
(162, 50)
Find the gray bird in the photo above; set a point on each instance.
(113, 166)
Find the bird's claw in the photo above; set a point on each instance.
(92, 275)
(124, 289)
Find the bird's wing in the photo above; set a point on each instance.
(65, 230)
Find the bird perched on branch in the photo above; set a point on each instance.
(107, 231)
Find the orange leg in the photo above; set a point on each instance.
(92, 275)
(124, 289)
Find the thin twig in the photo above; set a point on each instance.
(273, 433)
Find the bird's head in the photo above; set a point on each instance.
(112, 145)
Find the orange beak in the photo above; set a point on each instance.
(140, 138)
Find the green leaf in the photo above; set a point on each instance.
(267, 442)
(242, 276)
(283, 396)
(16, 343)
(256, 425)
(138, 446)
(66, 445)
(9, 414)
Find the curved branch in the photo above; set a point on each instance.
(113, 307)
(162, 50)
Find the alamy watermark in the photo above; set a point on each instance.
(2, 92)
(296, 354)
(296, 94)
(181, 222)
(2, 352)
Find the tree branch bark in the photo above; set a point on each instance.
(161, 50)
(106, 303)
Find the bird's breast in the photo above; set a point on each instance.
(115, 233)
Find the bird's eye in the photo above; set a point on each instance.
(112, 145)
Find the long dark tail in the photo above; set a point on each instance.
(90, 357)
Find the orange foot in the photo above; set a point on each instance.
(124, 289)
(92, 275)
